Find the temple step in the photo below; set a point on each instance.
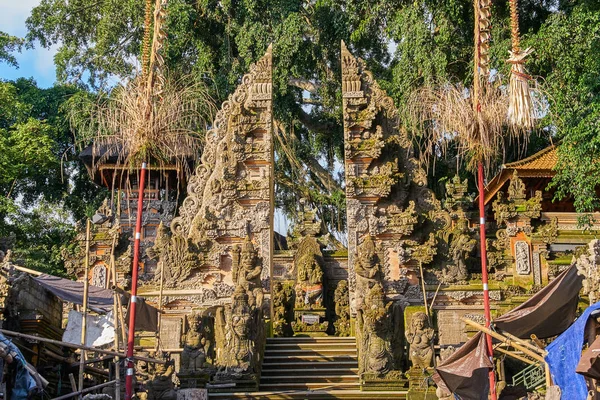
(310, 394)
(311, 370)
(309, 364)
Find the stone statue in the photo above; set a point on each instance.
(367, 262)
(161, 386)
(375, 332)
(247, 271)
(367, 268)
(238, 330)
(461, 245)
(309, 273)
(420, 339)
(195, 348)
(342, 309)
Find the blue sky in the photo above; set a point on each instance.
(38, 62)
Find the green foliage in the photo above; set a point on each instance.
(431, 40)
(8, 45)
(43, 186)
(568, 49)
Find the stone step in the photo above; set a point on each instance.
(306, 379)
(310, 394)
(311, 339)
(310, 371)
(309, 365)
(309, 345)
(309, 357)
(327, 351)
(310, 386)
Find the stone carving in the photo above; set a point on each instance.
(161, 386)
(308, 265)
(420, 341)
(239, 336)
(388, 203)
(342, 309)
(283, 308)
(176, 259)
(516, 212)
(522, 259)
(229, 195)
(196, 347)
(588, 265)
(247, 271)
(378, 330)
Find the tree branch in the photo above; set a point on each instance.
(314, 125)
(304, 84)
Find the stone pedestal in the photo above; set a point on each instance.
(419, 385)
(193, 381)
(192, 394)
(310, 320)
(393, 380)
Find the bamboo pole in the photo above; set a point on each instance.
(115, 317)
(522, 342)
(77, 346)
(86, 285)
(504, 339)
(513, 355)
(434, 297)
(80, 392)
(423, 289)
(160, 303)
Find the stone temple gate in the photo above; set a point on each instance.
(236, 302)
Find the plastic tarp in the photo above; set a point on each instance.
(24, 383)
(146, 316)
(564, 354)
(465, 373)
(589, 365)
(547, 313)
(99, 299)
(100, 329)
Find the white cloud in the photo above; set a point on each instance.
(13, 15)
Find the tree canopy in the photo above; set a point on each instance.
(405, 43)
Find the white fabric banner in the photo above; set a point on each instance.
(100, 329)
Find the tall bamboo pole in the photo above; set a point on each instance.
(134, 282)
(481, 34)
(117, 360)
(86, 285)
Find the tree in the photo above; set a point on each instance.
(8, 45)
(43, 186)
(405, 43)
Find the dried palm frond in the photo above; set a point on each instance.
(133, 127)
(447, 115)
(521, 108)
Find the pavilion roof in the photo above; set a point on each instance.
(538, 165)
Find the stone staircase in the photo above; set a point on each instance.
(310, 368)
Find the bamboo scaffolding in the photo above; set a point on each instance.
(86, 284)
(77, 346)
(80, 392)
(513, 355)
(517, 344)
(113, 272)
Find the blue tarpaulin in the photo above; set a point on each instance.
(24, 383)
(564, 354)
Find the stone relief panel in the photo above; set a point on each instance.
(388, 203)
(522, 257)
(229, 203)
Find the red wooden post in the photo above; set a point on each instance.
(484, 276)
(134, 281)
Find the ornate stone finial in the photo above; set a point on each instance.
(420, 339)
(588, 265)
(367, 260)
(516, 188)
(351, 86)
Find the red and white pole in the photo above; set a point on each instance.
(134, 281)
(484, 276)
